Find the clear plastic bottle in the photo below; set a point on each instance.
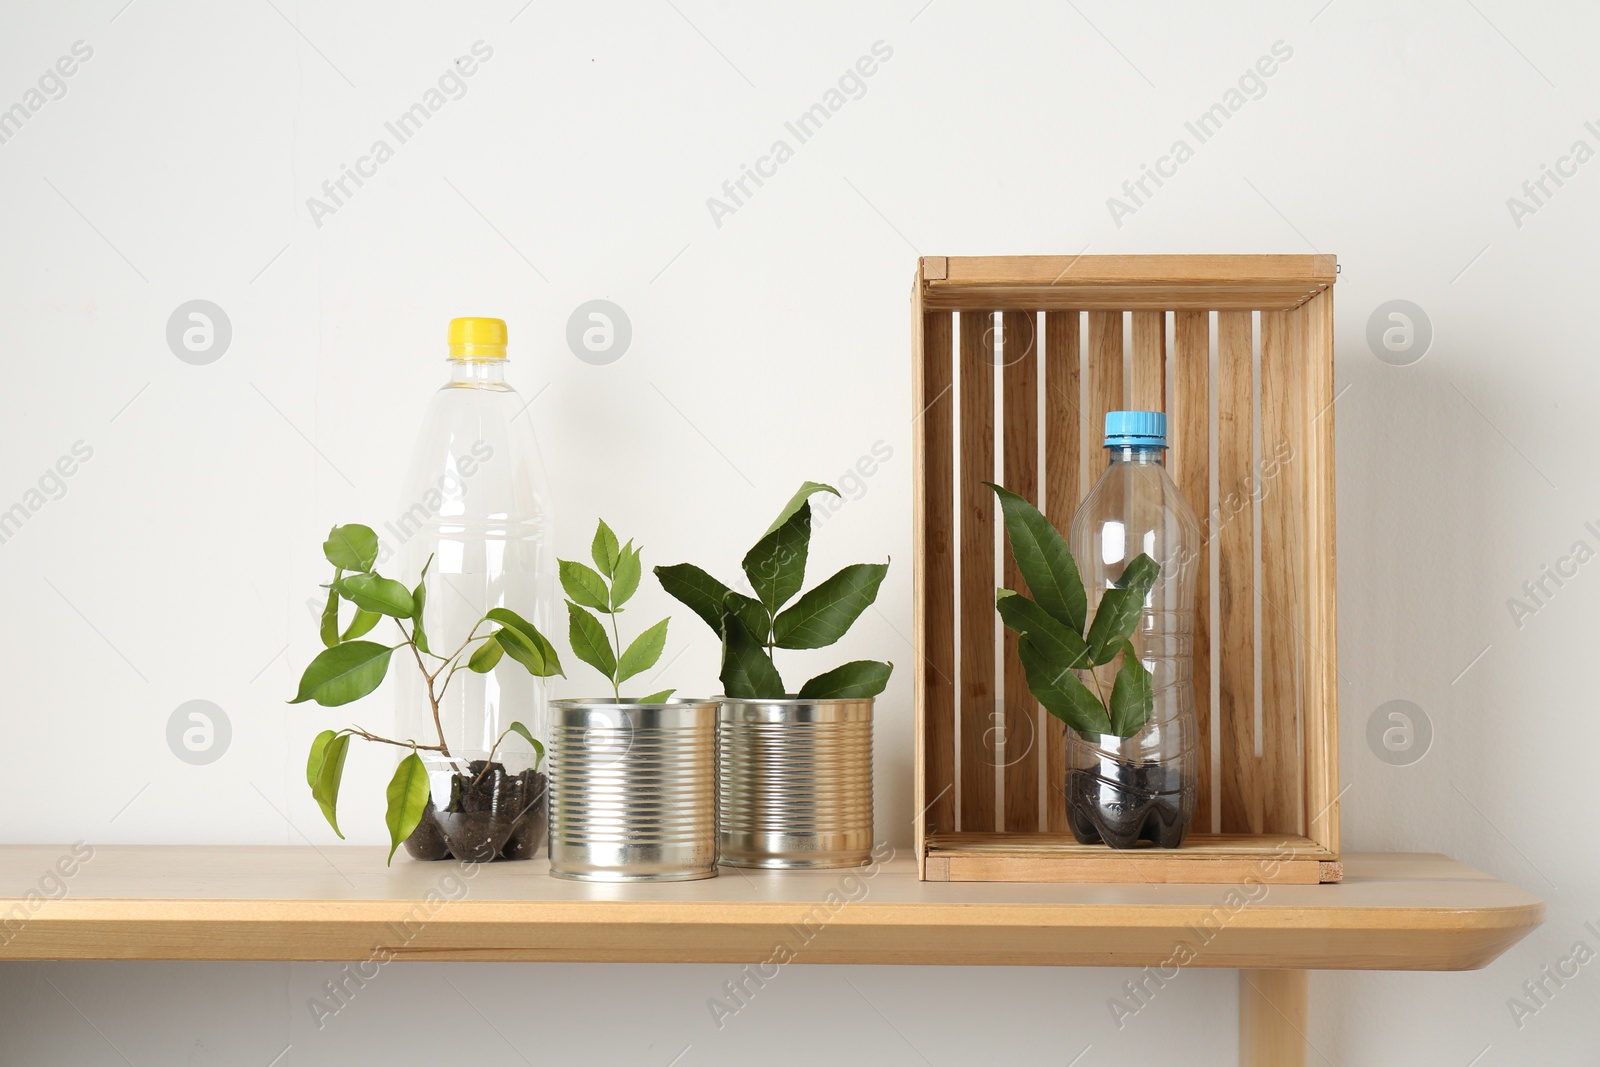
(476, 502)
(1124, 789)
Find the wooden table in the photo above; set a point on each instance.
(1391, 912)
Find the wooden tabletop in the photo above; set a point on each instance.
(196, 902)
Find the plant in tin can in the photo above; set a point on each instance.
(349, 668)
(753, 627)
(605, 590)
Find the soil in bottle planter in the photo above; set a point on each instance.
(1139, 802)
(491, 815)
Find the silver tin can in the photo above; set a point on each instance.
(633, 790)
(795, 786)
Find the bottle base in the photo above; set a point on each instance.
(1146, 802)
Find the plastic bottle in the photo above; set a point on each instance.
(1121, 790)
(476, 502)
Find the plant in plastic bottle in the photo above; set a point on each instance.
(351, 666)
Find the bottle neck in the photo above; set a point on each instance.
(1146, 455)
(478, 373)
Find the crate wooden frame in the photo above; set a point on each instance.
(1174, 321)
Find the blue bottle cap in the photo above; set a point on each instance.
(1136, 429)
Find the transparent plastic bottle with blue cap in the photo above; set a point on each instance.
(1126, 790)
(476, 510)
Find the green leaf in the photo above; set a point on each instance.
(527, 735)
(319, 745)
(344, 673)
(419, 597)
(372, 593)
(418, 634)
(362, 623)
(584, 586)
(696, 590)
(1131, 697)
(751, 613)
(776, 566)
(485, 656)
(408, 800)
(801, 497)
(858, 678)
(822, 616)
(657, 698)
(353, 547)
(747, 672)
(604, 550)
(1043, 559)
(1120, 608)
(1060, 691)
(1059, 644)
(643, 653)
(589, 641)
(626, 581)
(329, 628)
(523, 651)
(330, 775)
(548, 662)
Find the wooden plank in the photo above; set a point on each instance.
(1234, 531)
(1118, 298)
(339, 902)
(1103, 371)
(934, 600)
(1215, 859)
(1189, 427)
(1061, 283)
(1321, 725)
(1148, 390)
(1020, 433)
(975, 790)
(1285, 591)
(1273, 1014)
(1063, 492)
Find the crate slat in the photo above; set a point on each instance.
(1019, 762)
(976, 708)
(1320, 729)
(935, 567)
(1104, 373)
(1063, 481)
(1226, 859)
(1236, 578)
(1129, 283)
(1149, 341)
(1190, 429)
(1282, 480)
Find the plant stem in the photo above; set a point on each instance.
(616, 638)
(433, 698)
(365, 736)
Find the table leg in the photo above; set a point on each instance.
(1272, 1018)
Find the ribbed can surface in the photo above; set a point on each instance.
(633, 790)
(795, 785)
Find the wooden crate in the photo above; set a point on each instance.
(1016, 360)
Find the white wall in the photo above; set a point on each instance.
(766, 349)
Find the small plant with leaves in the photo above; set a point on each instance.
(1056, 638)
(752, 628)
(604, 591)
(349, 668)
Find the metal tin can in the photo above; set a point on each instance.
(633, 790)
(795, 787)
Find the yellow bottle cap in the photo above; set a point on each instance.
(477, 339)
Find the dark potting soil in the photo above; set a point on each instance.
(1144, 802)
(491, 815)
